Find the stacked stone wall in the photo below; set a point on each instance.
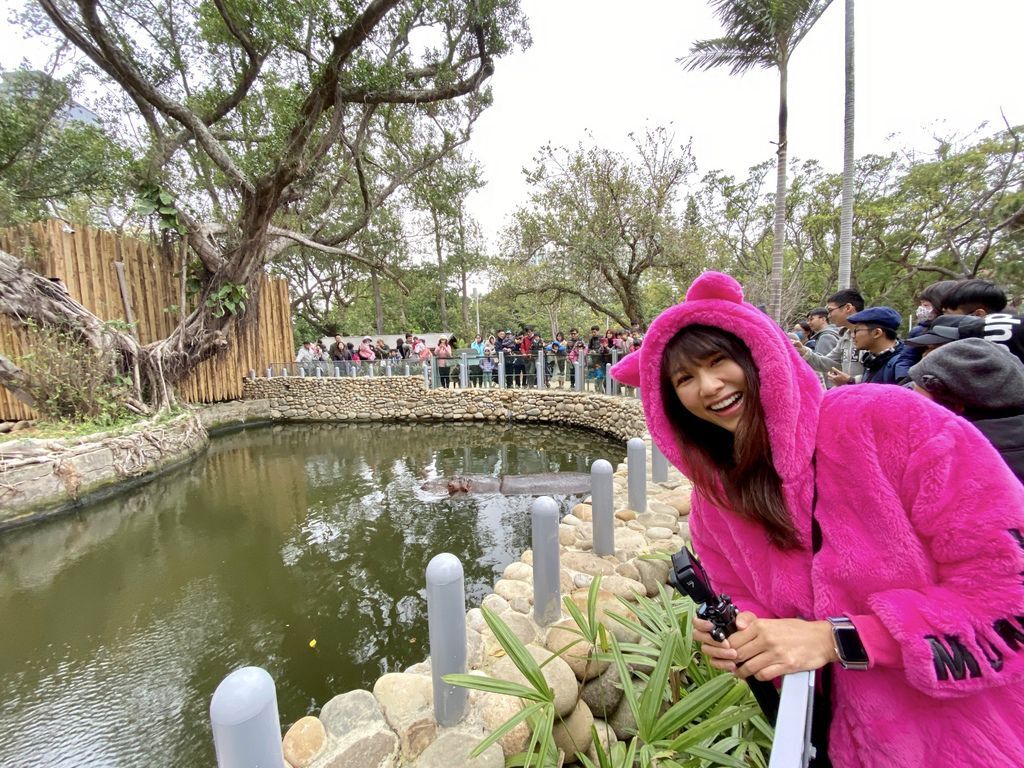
(405, 398)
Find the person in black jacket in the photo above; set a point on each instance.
(984, 383)
(874, 334)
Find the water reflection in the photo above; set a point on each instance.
(119, 622)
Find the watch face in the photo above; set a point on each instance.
(850, 647)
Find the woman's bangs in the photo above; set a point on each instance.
(696, 342)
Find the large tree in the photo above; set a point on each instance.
(846, 222)
(266, 126)
(762, 33)
(600, 223)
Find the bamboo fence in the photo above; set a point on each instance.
(84, 260)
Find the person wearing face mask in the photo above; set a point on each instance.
(843, 358)
(929, 307)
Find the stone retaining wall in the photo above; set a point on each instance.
(406, 398)
(41, 478)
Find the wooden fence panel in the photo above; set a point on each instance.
(84, 259)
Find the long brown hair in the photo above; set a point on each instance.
(737, 463)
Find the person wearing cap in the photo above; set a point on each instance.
(844, 357)
(984, 383)
(943, 330)
(865, 533)
(873, 331)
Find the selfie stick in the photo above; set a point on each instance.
(690, 579)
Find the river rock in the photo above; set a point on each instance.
(521, 627)
(566, 535)
(657, 533)
(408, 705)
(518, 571)
(658, 519)
(583, 512)
(453, 748)
(475, 620)
(606, 603)
(496, 604)
(622, 587)
(587, 563)
(678, 500)
(557, 673)
(625, 514)
(660, 507)
(361, 734)
(527, 557)
(522, 605)
(571, 520)
(652, 573)
(351, 711)
(621, 720)
(605, 735)
(572, 734)
(628, 570)
(510, 590)
(562, 634)
(604, 692)
(304, 741)
(496, 710)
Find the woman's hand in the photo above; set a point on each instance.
(720, 654)
(768, 648)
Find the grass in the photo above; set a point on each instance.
(50, 430)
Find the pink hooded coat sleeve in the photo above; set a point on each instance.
(956, 624)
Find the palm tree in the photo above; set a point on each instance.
(846, 216)
(761, 33)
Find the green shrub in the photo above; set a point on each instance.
(688, 715)
(70, 380)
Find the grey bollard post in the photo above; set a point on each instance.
(501, 369)
(659, 465)
(464, 370)
(547, 596)
(387, 369)
(602, 501)
(542, 370)
(246, 725)
(636, 483)
(608, 379)
(791, 747)
(407, 370)
(252, 374)
(319, 372)
(270, 372)
(613, 383)
(446, 623)
(284, 371)
(580, 372)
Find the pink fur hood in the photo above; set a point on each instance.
(922, 546)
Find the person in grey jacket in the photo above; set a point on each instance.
(843, 358)
(824, 336)
(983, 382)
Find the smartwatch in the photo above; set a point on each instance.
(848, 646)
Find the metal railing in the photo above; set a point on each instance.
(347, 368)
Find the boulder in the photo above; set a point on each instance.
(606, 603)
(604, 692)
(408, 705)
(558, 675)
(510, 590)
(652, 573)
(660, 507)
(304, 741)
(583, 512)
(585, 562)
(453, 748)
(562, 634)
(572, 734)
(496, 710)
(605, 735)
(657, 533)
(518, 571)
(658, 519)
(351, 711)
(628, 570)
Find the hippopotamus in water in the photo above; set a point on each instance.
(568, 483)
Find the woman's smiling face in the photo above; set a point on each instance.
(713, 389)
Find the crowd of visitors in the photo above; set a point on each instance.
(563, 355)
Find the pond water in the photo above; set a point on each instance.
(119, 622)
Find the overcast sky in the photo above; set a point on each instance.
(924, 67)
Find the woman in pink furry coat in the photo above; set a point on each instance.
(866, 514)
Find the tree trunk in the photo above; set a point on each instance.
(442, 280)
(378, 304)
(846, 216)
(779, 241)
